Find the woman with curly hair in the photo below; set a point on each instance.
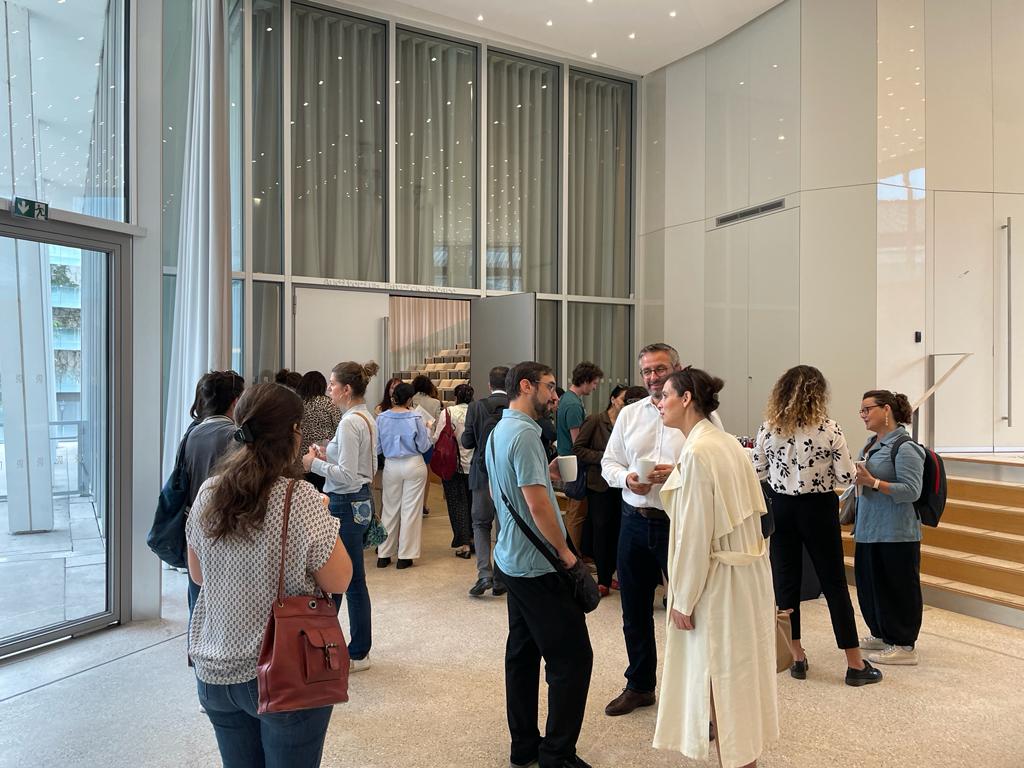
(802, 455)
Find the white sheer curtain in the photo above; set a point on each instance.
(421, 328)
(201, 335)
(600, 147)
(267, 100)
(600, 333)
(436, 196)
(338, 96)
(522, 174)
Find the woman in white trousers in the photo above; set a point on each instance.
(403, 440)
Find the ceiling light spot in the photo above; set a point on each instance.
(672, 14)
(550, 23)
(480, 17)
(632, 35)
(593, 55)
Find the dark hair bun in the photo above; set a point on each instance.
(702, 386)
(902, 411)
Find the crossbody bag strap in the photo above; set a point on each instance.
(369, 426)
(533, 537)
(284, 540)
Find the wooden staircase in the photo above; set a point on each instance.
(977, 552)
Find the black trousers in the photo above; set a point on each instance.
(604, 515)
(811, 520)
(889, 589)
(545, 622)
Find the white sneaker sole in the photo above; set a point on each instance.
(875, 658)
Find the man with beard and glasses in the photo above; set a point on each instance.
(544, 621)
(640, 438)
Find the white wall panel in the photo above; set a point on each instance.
(774, 80)
(838, 294)
(773, 320)
(837, 93)
(728, 123)
(1008, 94)
(958, 61)
(653, 164)
(963, 290)
(725, 318)
(684, 291)
(685, 157)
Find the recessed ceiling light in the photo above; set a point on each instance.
(81, 38)
(672, 14)
(782, 138)
(593, 55)
(480, 17)
(632, 35)
(550, 23)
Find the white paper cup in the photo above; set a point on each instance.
(567, 468)
(644, 467)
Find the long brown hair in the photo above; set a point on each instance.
(798, 399)
(266, 415)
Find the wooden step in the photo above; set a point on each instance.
(977, 570)
(993, 492)
(975, 541)
(984, 515)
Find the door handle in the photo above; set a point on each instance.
(1008, 226)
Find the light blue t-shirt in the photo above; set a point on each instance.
(515, 458)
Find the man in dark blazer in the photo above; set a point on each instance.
(480, 420)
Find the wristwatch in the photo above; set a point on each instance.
(876, 484)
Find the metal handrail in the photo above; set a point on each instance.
(930, 392)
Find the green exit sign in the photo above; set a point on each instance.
(24, 208)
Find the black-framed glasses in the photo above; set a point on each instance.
(865, 411)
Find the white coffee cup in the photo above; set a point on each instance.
(567, 468)
(644, 467)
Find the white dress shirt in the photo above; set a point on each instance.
(640, 434)
(351, 455)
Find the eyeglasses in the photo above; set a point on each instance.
(865, 411)
(661, 370)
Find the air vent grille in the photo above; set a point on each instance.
(746, 213)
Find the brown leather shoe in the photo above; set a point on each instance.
(627, 701)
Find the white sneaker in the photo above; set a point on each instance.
(895, 654)
(359, 665)
(872, 643)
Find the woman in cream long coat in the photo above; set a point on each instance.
(720, 639)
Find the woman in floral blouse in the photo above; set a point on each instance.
(802, 454)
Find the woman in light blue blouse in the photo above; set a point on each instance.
(887, 560)
(403, 441)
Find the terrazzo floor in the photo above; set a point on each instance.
(435, 696)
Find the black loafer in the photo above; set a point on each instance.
(403, 564)
(799, 669)
(499, 589)
(481, 586)
(866, 676)
(383, 562)
(465, 554)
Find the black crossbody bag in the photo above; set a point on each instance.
(581, 584)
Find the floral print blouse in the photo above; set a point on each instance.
(813, 460)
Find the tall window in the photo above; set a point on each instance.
(339, 127)
(600, 185)
(601, 333)
(522, 174)
(436, 150)
(267, 95)
(62, 126)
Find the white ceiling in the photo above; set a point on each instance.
(580, 28)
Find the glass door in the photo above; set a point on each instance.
(59, 532)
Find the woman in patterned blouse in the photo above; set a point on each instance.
(802, 454)
(320, 417)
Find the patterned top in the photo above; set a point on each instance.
(813, 460)
(240, 579)
(320, 419)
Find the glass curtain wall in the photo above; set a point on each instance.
(601, 334)
(339, 128)
(549, 335)
(522, 174)
(267, 151)
(436, 198)
(600, 185)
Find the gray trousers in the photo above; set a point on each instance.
(483, 519)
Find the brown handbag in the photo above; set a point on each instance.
(304, 659)
(783, 640)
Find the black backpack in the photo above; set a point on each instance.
(493, 417)
(932, 502)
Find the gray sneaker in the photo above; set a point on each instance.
(872, 643)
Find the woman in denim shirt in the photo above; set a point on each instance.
(403, 441)
(887, 560)
(348, 465)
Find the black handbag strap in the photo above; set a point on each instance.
(543, 548)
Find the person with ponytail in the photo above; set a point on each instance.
(348, 464)
(887, 531)
(720, 635)
(234, 550)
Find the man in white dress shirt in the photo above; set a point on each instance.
(639, 435)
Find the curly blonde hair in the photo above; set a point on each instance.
(799, 399)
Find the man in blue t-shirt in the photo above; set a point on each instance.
(544, 621)
(571, 414)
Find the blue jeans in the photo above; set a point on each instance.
(351, 534)
(642, 562)
(248, 740)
